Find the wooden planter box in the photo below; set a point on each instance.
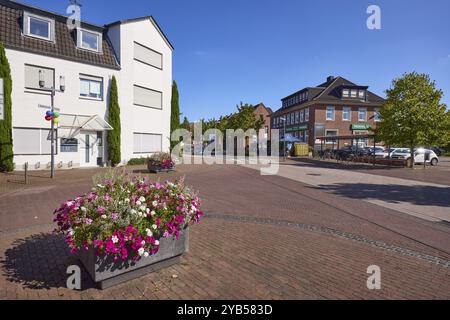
(107, 273)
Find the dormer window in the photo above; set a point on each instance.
(362, 94)
(345, 93)
(38, 27)
(353, 93)
(89, 40)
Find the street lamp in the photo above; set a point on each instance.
(284, 137)
(52, 90)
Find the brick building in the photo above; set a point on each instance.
(335, 107)
(260, 110)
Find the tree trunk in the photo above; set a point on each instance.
(411, 165)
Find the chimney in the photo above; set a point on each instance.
(330, 78)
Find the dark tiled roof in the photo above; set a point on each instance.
(64, 47)
(332, 92)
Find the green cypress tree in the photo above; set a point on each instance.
(175, 113)
(6, 143)
(113, 139)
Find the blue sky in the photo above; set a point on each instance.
(227, 51)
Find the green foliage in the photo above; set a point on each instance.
(186, 124)
(113, 139)
(244, 119)
(175, 113)
(6, 142)
(413, 114)
(137, 161)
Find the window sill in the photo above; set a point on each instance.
(91, 99)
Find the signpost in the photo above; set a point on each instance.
(2, 101)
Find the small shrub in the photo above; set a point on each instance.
(137, 161)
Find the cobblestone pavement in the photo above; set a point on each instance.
(262, 238)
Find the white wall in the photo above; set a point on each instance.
(27, 113)
(137, 118)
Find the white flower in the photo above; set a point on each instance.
(141, 251)
(114, 239)
(147, 210)
(104, 216)
(155, 203)
(142, 199)
(142, 208)
(133, 211)
(146, 254)
(120, 203)
(127, 200)
(149, 232)
(83, 209)
(143, 243)
(156, 243)
(71, 232)
(154, 227)
(100, 186)
(153, 213)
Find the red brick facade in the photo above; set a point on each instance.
(360, 112)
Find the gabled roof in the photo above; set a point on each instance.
(152, 20)
(332, 91)
(269, 110)
(64, 47)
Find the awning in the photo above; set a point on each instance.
(71, 124)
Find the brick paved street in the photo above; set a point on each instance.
(263, 238)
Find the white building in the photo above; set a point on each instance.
(135, 51)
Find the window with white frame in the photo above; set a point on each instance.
(38, 26)
(377, 115)
(148, 56)
(91, 87)
(147, 143)
(292, 118)
(306, 114)
(330, 113)
(306, 136)
(346, 114)
(146, 97)
(362, 114)
(353, 93)
(362, 94)
(296, 117)
(32, 76)
(302, 116)
(288, 119)
(89, 40)
(346, 93)
(32, 141)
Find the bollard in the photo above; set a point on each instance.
(26, 172)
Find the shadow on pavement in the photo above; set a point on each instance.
(418, 195)
(305, 162)
(40, 262)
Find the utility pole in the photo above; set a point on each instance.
(52, 90)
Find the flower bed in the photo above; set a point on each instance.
(160, 162)
(126, 219)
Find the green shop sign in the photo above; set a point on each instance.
(298, 128)
(361, 126)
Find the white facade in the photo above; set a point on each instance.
(144, 129)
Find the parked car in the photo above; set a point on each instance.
(439, 151)
(420, 156)
(379, 152)
(389, 152)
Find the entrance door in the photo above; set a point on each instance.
(89, 149)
